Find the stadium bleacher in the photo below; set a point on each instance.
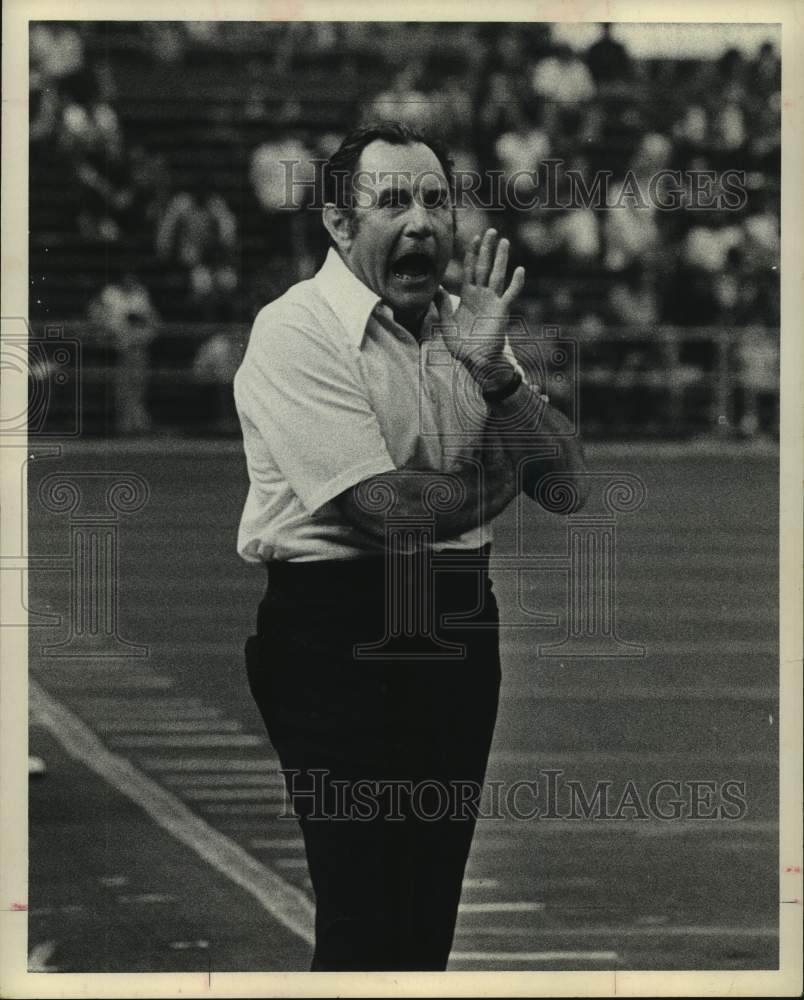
(203, 98)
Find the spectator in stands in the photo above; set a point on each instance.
(727, 136)
(214, 367)
(730, 78)
(757, 363)
(564, 81)
(764, 146)
(451, 109)
(631, 232)
(149, 181)
(633, 361)
(103, 172)
(92, 141)
(521, 150)
(632, 298)
(631, 223)
(57, 53)
(199, 233)
(280, 173)
(164, 41)
(499, 111)
(577, 232)
(690, 136)
(43, 108)
(764, 73)
(404, 101)
(125, 313)
(760, 227)
(608, 60)
(709, 240)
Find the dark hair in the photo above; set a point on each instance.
(341, 166)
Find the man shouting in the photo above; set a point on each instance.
(385, 425)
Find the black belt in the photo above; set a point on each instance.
(368, 570)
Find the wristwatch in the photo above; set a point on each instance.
(504, 391)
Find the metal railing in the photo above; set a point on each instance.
(625, 381)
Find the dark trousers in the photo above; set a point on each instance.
(384, 757)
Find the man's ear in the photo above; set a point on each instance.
(338, 224)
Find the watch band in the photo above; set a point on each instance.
(504, 391)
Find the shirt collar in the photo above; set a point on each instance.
(350, 300)
(353, 302)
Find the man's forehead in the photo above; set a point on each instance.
(413, 162)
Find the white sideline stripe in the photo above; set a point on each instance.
(656, 451)
(39, 958)
(558, 758)
(642, 693)
(657, 930)
(240, 809)
(105, 681)
(170, 704)
(169, 726)
(712, 647)
(233, 794)
(501, 907)
(261, 764)
(191, 740)
(291, 863)
(112, 713)
(641, 828)
(277, 844)
(105, 665)
(287, 904)
(534, 956)
(227, 780)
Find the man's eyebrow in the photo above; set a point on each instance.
(389, 180)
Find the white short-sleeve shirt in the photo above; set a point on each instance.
(332, 391)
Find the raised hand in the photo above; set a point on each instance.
(475, 332)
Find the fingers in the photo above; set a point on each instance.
(485, 264)
(485, 257)
(515, 288)
(443, 306)
(498, 271)
(470, 261)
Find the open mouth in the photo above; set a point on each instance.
(413, 267)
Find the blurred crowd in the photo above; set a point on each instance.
(504, 97)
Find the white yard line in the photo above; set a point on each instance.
(227, 779)
(287, 904)
(654, 930)
(170, 725)
(277, 844)
(534, 956)
(190, 740)
(266, 765)
(521, 907)
(233, 794)
(39, 958)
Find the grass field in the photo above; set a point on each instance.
(696, 578)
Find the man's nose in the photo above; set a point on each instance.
(418, 221)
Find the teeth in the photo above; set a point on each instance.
(409, 277)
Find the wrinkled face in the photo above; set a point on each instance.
(402, 236)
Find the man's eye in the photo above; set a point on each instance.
(394, 199)
(434, 199)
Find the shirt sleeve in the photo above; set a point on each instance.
(309, 405)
